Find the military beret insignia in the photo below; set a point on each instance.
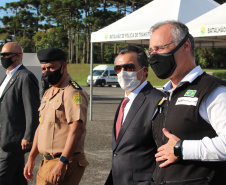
(75, 85)
(77, 98)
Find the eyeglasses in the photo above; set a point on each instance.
(7, 54)
(126, 67)
(157, 48)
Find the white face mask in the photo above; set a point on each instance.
(128, 80)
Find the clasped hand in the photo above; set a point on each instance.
(166, 152)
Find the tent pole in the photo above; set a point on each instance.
(91, 82)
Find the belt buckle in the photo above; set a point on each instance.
(48, 157)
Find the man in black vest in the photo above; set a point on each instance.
(133, 147)
(190, 130)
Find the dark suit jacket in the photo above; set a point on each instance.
(19, 110)
(133, 160)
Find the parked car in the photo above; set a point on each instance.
(103, 75)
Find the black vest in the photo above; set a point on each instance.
(181, 117)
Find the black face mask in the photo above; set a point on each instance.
(52, 77)
(6, 62)
(163, 64)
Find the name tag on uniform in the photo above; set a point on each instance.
(187, 101)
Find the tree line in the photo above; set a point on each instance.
(67, 24)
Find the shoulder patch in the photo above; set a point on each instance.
(74, 84)
(77, 98)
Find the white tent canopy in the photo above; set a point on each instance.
(134, 28)
(209, 30)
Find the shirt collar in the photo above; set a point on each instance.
(65, 82)
(12, 72)
(135, 92)
(190, 77)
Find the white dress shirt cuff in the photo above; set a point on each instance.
(207, 149)
(190, 149)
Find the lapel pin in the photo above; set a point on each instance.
(11, 81)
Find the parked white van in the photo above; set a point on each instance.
(103, 75)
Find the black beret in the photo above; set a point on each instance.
(51, 54)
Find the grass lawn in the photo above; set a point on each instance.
(79, 73)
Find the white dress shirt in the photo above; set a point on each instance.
(131, 97)
(212, 110)
(9, 75)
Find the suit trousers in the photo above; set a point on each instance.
(11, 168)
(74, 173)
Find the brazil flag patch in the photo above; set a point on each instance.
(190, 93)
(77, 98)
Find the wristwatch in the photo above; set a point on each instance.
(64, 160)
(178, 149)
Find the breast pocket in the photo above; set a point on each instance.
(58, 109)
(40, 109)
(55, 104)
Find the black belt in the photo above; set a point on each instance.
(50, 157)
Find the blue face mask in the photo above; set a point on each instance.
(163, 64)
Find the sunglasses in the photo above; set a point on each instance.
(126, 67)
(7, 54)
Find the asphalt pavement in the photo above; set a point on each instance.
(99, 133)
(98, 138)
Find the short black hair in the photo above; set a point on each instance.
(142, 57)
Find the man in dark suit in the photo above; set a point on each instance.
(133, 147)
(19, 97)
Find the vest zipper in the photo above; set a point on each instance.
(165, 113)
(164, 123)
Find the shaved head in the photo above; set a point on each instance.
(12, 47)
(14, 51)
